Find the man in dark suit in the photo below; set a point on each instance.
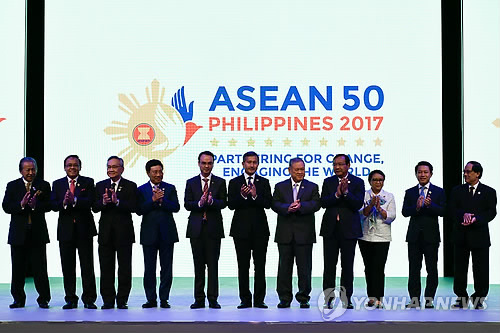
(249, 194)
(342, 195)
(27, 199)
(72, 196)
(116, 200)
(472, 207)
(424, 203)
(157, 201)
(205, 197)
(295, 200)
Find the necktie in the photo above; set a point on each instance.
(422, 194)
(295, 191)
(113, 186)
(28, 188)
(205, 189)
(250, 184)
(471, 191)
(72, 186)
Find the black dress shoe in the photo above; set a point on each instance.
(429, 305)
(70, 305)
(90, 306)
(16, 305)
(305, 305)
(371, 303)
(107, 306)
(213, 305)
(260, 305)
(122, 306)
(43, 305)
(150, 304)
(164, 305)
(197, 305)
(412, 305)
(348, 306)
(244, 305)
(283, 304)
(479, 306)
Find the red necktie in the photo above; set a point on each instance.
(72, 186)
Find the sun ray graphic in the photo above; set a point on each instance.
(153, 130)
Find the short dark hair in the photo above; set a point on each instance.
(370, 176)
(73, 156)
(295, 160)
(423, 163)
(346, 158)
(206, 152)
(250, 153)
(27, 160)
(116, 158)
(152, 163)
(477, 168)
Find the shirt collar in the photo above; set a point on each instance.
(69, 179)
(347, 175)
(247, 175)
(209, 177)
(428, 185)
(153, 185)
(117, 182)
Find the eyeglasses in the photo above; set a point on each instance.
(377, 180)
(114, 167)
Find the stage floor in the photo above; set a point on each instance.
(181, 297)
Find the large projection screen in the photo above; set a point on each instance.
(481, 63)
(282, 78)
(12, 39)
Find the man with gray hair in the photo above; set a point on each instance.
(295, 200)
(27, 199)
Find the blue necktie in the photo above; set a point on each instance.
(422, 194)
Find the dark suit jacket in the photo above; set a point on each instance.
(347, 207)
(11, 204)
(425, 219)
(192, 195)
(79, 216)
(482, 205)
(116, 220)
(249, 217)
(300, 225)
(158, 223)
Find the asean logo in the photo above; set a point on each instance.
(143, 134)
(154, 129)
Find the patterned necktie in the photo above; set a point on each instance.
(72, 186)
(205, 189)
(422, 194)
(250, 184)
(113, 186)
(28, 188)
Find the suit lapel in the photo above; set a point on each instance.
(213, 184)
(288, 191)
(301, 189)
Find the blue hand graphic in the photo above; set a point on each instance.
(179, 103)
